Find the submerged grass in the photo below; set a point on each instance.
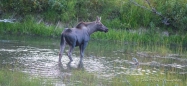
(15, 78)
(83, 78)
(155, 80)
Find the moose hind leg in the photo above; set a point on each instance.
(61, 51)
(70, 52)
(62, 47)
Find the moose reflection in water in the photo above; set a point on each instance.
(79, 36)
(80, 66)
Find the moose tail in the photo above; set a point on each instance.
(62, 46)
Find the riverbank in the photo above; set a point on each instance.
(32, 26)
(119, 14)
(157, 21)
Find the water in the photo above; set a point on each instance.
(39, 57)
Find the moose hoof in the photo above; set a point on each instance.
(71, 60)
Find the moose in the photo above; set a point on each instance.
(79, 36)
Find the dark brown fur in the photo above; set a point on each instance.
(79, 26)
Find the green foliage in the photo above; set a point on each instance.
(175, 10)
(29, 26)
(149, 36)
(118, 14)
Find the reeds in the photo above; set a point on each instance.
(141, 37)
(31, 27)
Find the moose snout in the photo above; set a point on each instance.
(106, 30)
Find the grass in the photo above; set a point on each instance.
(118, 14)
(155, 80)
(83, 78)
(15, 78)
(140, 37)
(122, 17)
(31, 26)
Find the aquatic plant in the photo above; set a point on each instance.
(83, 78)
(15, 78)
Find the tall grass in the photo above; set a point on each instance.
(118, 14)
(141, 37)
(30, 27)
(14, 78)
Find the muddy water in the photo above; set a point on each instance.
(39, 57)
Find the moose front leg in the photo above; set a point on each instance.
(82, 48)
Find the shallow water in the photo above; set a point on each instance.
(39, 57)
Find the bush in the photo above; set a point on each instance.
(118, 14)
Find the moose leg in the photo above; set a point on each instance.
(70, 52)
(82, 48)
(62, 46)
(61, 51)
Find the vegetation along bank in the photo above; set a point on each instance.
(128, 20)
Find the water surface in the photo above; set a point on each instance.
(38, 56)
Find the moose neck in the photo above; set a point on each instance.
(91, 28)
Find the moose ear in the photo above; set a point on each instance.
(98, 19)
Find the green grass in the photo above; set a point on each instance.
(15, 78)
(118, 14)
(140, 37)
(154, 80)
(83, 78)
(31, 26)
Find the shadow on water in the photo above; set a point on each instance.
(80, 66)
(108, 59)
